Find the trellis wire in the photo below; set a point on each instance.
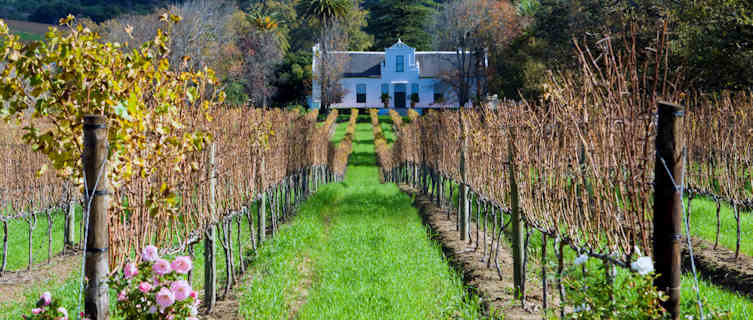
(681, 189)
(88, 200)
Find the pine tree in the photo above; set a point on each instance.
(390, 20)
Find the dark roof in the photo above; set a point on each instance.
(433, 64)
(367, 64)
(363, 65)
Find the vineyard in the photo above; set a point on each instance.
(619, 194)
(579, 168)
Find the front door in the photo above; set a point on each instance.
(400, 96)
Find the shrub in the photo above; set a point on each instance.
(155, 288)
(48, 309)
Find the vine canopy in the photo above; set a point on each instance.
(49, 86)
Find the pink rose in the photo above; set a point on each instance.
(161, 267)
(63, 311)
(145, 287)
(46, 298)
(122, 295)
(130, 270)
(192, 318)
(193, 294)
(149, 253)
(36, 311)
(165, 297)
(182, 264)
(181, 289)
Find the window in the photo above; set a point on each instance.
(438, 96)
(360, 93)
(414, 88)
(400, 64)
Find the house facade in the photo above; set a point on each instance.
(399, 71)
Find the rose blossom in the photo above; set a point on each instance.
(46, 298)
(145, 287)
(161, 267)
(181, 289)
(193, 294)
(149, 253)
(63, 311)
(130, 270)
(182, 264)
(122, 295)
(643, 266)
(36, 311)
(165, 297)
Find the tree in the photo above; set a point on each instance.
(326, 11)
(331, 36)
(390, 20)
(470, 28)
(261, 49)
(293, 78)
(204, 29)
(716, 42)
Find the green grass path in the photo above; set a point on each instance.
(357, 250)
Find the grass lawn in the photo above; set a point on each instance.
(357, 250)
(18, 239)
(703, 224)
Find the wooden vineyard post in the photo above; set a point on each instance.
(70, 224)
(668, 204)
(262, 214)
(97, 299)
(464, 210)
(516, 224)
(5, 247)
(210, 251)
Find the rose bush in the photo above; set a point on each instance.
(155, 288)
(48, 308)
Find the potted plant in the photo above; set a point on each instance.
(386, 100)
(413, 100)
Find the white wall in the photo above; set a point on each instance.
(374, 92)
(408, 77)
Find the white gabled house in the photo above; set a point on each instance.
(398, 71)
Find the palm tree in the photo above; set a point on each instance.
(328, 12)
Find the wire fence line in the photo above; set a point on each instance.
(580, 165)
(268, 160)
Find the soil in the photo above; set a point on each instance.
(13, 284)
(225, 309)
(496, 293)
(720, 266)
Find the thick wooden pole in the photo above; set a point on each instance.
(210, 238)
(97, 299)
(464, 210)
(261, 218)
(516, 224)
(70, 226)
(667, 240)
